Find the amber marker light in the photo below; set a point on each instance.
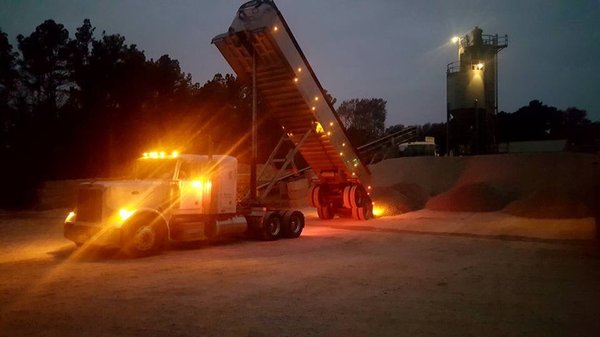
(70, 217)
(319, 128)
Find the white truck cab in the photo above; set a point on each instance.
(172, 197)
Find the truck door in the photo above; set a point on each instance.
(195, 189)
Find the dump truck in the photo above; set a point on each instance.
(172, 198)
(193, 197)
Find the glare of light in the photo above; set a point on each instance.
(378, 211)
(479, 66)
(125, 214)
(146, 154)
(275, 28)
(174, 154)
(316, 98)
(162, 154)
(341, 153)
(70, 217)
(313, 108)
(329, 133)
(299, 69)
(455, 39)
(343, 144)
(296, 80)
(197, 184)
(330, 123)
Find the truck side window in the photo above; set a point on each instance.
(184, 171)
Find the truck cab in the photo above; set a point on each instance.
(171, 197)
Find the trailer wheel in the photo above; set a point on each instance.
(271, 227)
(144, 237)
(362, 213)
(346, 196)
(314, 195)
(325, 212)
(293, 224)
(357, 197)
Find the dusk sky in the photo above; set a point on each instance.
(393, 49)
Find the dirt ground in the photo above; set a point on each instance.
(423, 273)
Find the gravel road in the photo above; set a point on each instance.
(425, 274)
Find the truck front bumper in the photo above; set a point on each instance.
(93, 234)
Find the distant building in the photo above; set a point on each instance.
(418, 149)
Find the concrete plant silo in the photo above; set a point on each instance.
(472, 93)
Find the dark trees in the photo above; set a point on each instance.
(364, 119)
(44, 67)
(8, 82)
(537, 121)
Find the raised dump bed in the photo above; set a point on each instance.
(287, 84)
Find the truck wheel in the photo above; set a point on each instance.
(362, 213)
(293, 224)
(325, 212)
(271, 227)
(315, 198)
(346, 193)
(145, 237)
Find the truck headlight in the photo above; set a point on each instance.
(125, 213)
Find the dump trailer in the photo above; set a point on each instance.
(259, 46)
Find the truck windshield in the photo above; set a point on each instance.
(154, 168)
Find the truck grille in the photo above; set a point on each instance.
(89, 205)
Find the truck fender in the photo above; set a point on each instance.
(148, 213)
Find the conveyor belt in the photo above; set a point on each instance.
(291, 91)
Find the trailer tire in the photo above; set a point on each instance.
(315, 196)
(356, 197)
(346, 196)
(293, 224)
(271, 227)
(325, 212)
(362, 213)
